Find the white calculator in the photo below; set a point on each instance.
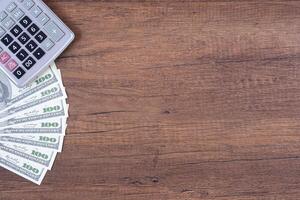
(31, 37)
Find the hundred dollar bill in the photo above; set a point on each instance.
(54, 91)
(54, 142)
(27, 169)
(47, 110)
(10, 94)
(45, 126)
(42, 156)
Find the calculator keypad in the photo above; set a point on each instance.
(35, 11)
(7, 39)
(47, 44)
(43, 19)
(28, 4)
(28, 34)
(25, 21)
(4, 57)
(14, 47)
(31, 46)
(39, 53)
(11, 65)
(16, 31)
(33, 29)
(11, 7)
(8, 23)
(2, 32)
(29, 63)
(54, 31)
(19, 72)
(3, 15)
(24, 38)
(40, 37)
(22, 54)
(17, 14)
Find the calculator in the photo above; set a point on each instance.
(31, 37)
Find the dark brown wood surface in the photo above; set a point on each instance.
(177, 100)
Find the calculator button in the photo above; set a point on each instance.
(35, 11)
(54, 31)
(33, 29)
(25, 21)
(11, 65)
(8, 23)
(22, 54)
(40, 37)
(31, 46)
(28, 4)
(43, 19)
(39, 53)
(16, 31)
(7, 39)
(47, 44)
(17, 14)
(19, 72)
(24, 38)
(2, 32)
(29, 63)
(4, 57)
(11, 7)
(14, 47)
(3, 15)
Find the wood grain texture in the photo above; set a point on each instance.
(178, 100)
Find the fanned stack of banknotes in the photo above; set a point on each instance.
(32, 124)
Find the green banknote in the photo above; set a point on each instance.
(47, 110)
(42, 156)
(54, 142)
(23, 167)
(53, 91)
(56, 125)
(11, 95)
(33, 122)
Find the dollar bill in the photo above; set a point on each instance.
(32, 124)
(45, 126)
(54, 142)
(42, 156)
(26, 168)
(47, 110)
(10, 94)
(53, 91)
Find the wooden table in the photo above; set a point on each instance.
(178, 100)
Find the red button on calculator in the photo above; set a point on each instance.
(4, 57)
(11, 65)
